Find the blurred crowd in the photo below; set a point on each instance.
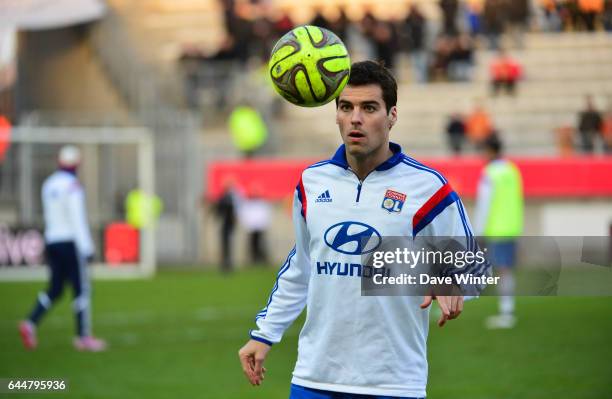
(438, 49)
(577, 15)
(591, 133)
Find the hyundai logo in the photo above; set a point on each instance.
(352, 238)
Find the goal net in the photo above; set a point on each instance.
(115, 162)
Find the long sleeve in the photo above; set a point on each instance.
(453, 223)
(78, 218)
(288, 296)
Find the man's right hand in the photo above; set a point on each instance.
(252, 356)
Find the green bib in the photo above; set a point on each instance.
(505, 218)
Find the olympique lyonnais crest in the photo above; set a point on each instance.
(393, 201)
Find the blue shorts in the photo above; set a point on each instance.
(502, 254)
(300, 392)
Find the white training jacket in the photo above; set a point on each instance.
(65, 212)
(374, 345)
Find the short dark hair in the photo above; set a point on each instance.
(493, 143)
(370, 72)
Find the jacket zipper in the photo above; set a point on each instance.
(360, 183)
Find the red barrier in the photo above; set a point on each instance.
(542, 177)
(121, 244)
(5, 136)
(277, 178)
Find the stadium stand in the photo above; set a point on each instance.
(558, 70)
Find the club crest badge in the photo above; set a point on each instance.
(393, 201)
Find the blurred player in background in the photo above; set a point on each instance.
(255, 214)
(225, 210)
(589, 125)
(68, 247)
(499, 219)
(353, 345)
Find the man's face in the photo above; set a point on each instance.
(490, 155)
(363, 119)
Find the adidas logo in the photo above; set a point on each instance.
(324, 197)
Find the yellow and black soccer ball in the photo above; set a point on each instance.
(309, 66)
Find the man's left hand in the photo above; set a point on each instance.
(451, 306)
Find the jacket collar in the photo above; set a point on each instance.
(339, 158)
(72, 171)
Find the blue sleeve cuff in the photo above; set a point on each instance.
(265, 341)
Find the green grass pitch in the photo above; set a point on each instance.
(177, 336)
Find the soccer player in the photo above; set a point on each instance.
(499, 219)
(68, 247)
(352, 344)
